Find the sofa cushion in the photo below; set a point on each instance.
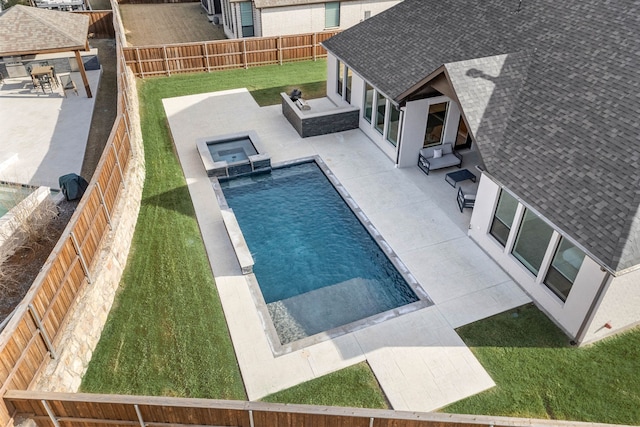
(437, 153)
(443, 162)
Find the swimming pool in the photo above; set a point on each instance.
(11, 195)
(317, 266)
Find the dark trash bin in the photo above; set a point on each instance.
(72, 186)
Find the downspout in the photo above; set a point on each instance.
(592, 310)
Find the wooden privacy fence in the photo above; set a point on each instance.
(100, 23)
(166, 60)
(30, 338)
(100, 410)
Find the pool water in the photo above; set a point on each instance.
(235, 150)
(11, 195)
(317, 266)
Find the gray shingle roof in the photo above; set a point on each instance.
(25, 29)
(551, 93)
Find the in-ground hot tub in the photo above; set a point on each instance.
(233, 154)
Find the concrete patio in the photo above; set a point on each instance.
(418, 359)
(43, 135)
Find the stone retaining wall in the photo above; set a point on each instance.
(86, 320)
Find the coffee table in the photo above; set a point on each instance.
(454, 177)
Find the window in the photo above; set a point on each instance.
(564, 269)
(344, 82)
(532, 241)
(463, 138)
(332, 14)
(381, 107)
(340, 77)
(349, 77)
(435, 124)
(246, 19)
(394, 122)
(368, 102)
(503, 217)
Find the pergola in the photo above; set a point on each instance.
(28, 30)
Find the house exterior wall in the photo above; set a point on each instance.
(415, 126)
(231, 22)
(619, 307)
(569, 315)
(311, 17)
(357, 100)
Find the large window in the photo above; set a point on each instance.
(564, 269)
(381, 108)
(347, 92)
(368, 102)
(435, 124)
(332, 14)
(503, 217)
(394, 122)
(246, 19)
(532, 241)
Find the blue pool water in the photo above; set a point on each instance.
(317, 266)
(11, 195)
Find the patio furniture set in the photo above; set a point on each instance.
(444, 156)
(43, 76)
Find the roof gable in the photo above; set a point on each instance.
(25, 29)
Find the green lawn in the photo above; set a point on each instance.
(539, 375)
(355, 387)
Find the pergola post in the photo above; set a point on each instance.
(83, 73)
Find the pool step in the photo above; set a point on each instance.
(326, 308)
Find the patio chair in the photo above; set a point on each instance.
(67, 84)
(45, 82)
(466, 199)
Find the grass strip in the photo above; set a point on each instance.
(539, 375)
(354, 387)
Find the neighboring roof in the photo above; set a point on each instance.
(551, 94)
(25, 30)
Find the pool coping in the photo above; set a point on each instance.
(279, 349)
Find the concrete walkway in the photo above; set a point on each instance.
(43, 135)
(418, 359)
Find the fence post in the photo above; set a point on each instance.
(104, 205)
(139, 63)
(251, 418)
(139, 414)
(314, 42)
(54, 420)
(279, 47)
(115, 152)
(43, 332)
(206, 56)
(244, 53)
(166, 60)
(83, 262)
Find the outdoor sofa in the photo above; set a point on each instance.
(438, 157)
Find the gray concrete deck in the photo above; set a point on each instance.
(418, 359)
(43, 135)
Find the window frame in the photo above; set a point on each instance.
(328, 12)
(243, 14)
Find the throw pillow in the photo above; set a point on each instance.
(437, 153)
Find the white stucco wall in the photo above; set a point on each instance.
(568, 315)
(311, 18)
(620, 307)
(415, 126)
